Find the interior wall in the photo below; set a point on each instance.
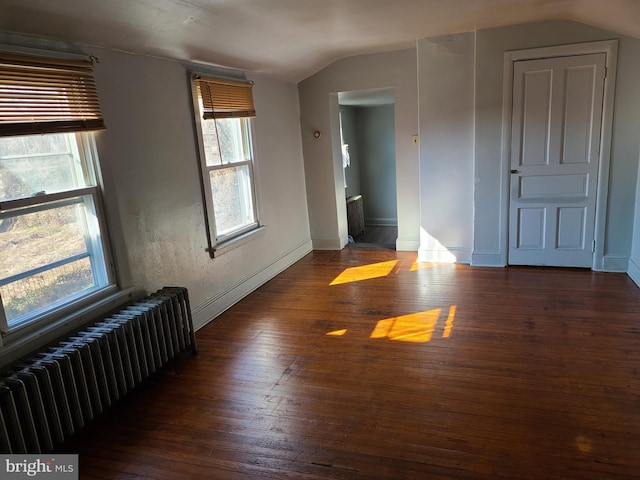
(490, 47)
(446, 85)
(461, 165)
(376, 141)
(318, 104)
(634, 261)
(350, 137)
(153, 189)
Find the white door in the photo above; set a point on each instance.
(555, 142)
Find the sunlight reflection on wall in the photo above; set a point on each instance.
(431, 250)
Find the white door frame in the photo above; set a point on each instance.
(608, 47)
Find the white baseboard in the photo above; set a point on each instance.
(486, 259)
(407, 244)
(634, 272)
(615, 263)
(381, 222)
(205, 312)
(327, 244)
(444, 255)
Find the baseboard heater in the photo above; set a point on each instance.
(48, 397)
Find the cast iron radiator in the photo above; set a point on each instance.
(51, 395)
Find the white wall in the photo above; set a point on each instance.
(318, 107)
(461, 174)
(634, 261)
(446, 85)
(460, 198)
(490, 48)
(153, 193)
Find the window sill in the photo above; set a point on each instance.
(30, 338)
(238, 241)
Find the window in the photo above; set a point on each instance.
(53, 252)
(223, 117)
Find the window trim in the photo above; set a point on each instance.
(216, 245)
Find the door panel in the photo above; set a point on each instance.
(571, 228)
(578, 114)
(531, 228)
(556, 122)
(536, 116)
(546, 186)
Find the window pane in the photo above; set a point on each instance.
(233, 145)
(39, 163)
(23, 297)
(49, 254)
(41, 238)
(232, 198)
(210, 140)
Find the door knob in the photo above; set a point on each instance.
(515, 171)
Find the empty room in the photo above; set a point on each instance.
(181, 296)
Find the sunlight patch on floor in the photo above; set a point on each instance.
(424, 265)
(416, 327)
(337, 333)
(365, 272)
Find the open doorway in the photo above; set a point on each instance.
(367, 129)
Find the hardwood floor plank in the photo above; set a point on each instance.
(512, 373)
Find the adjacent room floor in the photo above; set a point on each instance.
(361, 364)
(377, 236)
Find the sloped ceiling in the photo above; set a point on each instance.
(288, 39)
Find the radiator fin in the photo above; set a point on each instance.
(51, 395)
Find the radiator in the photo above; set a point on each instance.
(51, 395)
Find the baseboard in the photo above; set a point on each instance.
(407, 245)
(381, 222)
(634, 272)
(327, 244)
(444, 255)
(205, 312)
(486, 259)
(615, 263)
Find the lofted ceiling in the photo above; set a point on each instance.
(288, 39)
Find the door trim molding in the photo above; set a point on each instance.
(610, 49)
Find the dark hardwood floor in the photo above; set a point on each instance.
(393, 370)
(377, 236)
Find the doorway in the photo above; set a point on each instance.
(367, 126)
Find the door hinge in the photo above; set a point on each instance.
(605, 72)
(593, 246)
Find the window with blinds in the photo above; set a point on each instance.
(224, 111)
(54, 256)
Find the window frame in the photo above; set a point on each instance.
(217, 243)
(98, 250)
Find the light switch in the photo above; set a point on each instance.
(414, 139)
